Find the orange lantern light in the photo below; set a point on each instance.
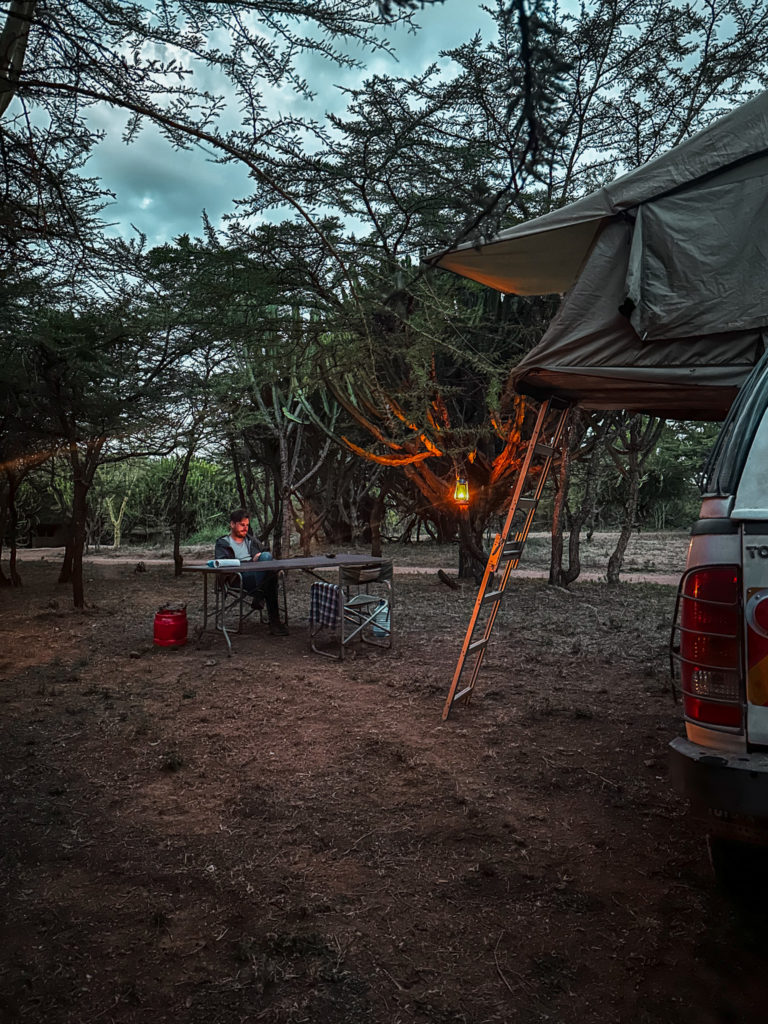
(461, 491)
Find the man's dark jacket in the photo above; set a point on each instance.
(224, 547)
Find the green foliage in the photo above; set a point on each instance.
(149, 484)
(208, 492)
(669, 494)
(670, 490)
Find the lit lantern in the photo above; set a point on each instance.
(461, 491)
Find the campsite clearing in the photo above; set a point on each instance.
(279, 838)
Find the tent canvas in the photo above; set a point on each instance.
(665, 272)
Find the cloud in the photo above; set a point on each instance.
(162, 191)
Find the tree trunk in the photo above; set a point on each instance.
(286, 520)
(4, 512)
(79, 521)
(178, 558)
(642, 435)
(584, 513)
(238, 474)
(616, 560)
(117, 520)
(181, 486)
(563, 480)
(65, 573)
(286, 524)
(586, 509)
(377, 515)
(472, 557)
(277, 536)
(13, 516)
(309, 528)
(84, 466)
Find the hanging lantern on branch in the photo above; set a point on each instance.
(461, 491)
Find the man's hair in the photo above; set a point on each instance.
(238, 514)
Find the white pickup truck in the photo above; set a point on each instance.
(720, 643)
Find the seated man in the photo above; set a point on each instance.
(262, 586)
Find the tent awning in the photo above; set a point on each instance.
(690, 279)
(544, 259)
(545, 255)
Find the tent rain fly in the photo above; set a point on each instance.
(665, 275)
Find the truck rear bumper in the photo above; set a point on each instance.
(737, 783)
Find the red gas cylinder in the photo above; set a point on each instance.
(171, 625)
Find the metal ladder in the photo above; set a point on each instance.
(505, 553)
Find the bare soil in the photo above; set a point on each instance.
(279, 837)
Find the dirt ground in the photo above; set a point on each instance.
(279, 837)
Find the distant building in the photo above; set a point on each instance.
(51, 531)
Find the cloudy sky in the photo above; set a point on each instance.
(162, 192)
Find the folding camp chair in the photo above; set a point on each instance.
(359, 608)
(233, 605)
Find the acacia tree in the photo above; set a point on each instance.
(391, 163)
(639, 77)
(97, 383)
(280, 414)
(201, 72)
(25, 441)
(214, 298)
(424, 160)
(630, 447)
(456, 421)
(60, 59)
(276, 435)
(253, 359)
(573, 447)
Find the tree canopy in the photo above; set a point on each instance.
(304, 344)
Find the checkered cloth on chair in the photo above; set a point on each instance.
(324, 604)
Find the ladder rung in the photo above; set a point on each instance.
(524, 504)
(462, 693)
(493, 595)
(477, 644)
(544, 449)
(513, 549)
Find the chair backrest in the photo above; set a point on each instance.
(367, 573)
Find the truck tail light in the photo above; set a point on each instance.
(707, 645)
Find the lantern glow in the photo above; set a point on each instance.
(461, 491)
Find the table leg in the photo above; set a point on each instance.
(342, 635)
(221, 605)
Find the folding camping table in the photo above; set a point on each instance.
(310, 564)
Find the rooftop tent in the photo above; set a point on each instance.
(665, 272)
